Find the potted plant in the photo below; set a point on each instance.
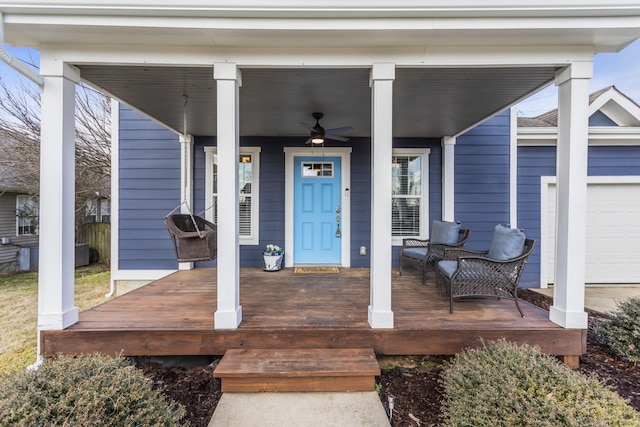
(272, 256)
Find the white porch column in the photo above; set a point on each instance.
(448, 178)
(513, 167)
(229, 312)
(382, 76)
(56, 308)
(186, 182)
(571, 218)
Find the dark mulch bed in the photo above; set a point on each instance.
(412, 381)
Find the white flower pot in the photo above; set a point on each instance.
(272, 262)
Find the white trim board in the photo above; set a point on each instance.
(598, 136)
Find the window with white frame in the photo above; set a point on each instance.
(99, 210)
(409, 197)
(26, 215)
(248, 200)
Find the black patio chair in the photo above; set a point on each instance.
(422, 253)
(465, 273)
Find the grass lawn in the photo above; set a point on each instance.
(19, 311)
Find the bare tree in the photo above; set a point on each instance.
(20, 141)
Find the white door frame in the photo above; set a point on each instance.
(345, 154)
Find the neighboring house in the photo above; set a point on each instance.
(613, 190)
(420, 84)
(18, 217)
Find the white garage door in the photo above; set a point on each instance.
(613, 232)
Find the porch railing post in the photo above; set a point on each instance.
(229, 312)
(56, 309)
(448, 178)
(382, 77)
(571, 217)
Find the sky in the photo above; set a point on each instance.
(621, 69)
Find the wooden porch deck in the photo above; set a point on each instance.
(175, 316)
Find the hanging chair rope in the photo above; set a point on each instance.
(185, 154)
(194, 238)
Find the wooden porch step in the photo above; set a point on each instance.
(298, 370)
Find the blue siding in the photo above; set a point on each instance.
(272, 203)
(600, 119)
(272, 195)
(149, 188)
(614, 161)
(482, 179)
(360, 201)
(534, 162)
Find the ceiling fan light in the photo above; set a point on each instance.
(317, 140)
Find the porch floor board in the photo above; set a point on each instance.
(175, 316)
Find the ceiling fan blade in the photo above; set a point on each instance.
(309, 127)
(338, 130)
(336, 137)
(308, 141)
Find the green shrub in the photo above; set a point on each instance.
(84, 391)
(621, 332)
(503, 384)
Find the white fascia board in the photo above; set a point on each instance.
(327, 8)
(407, 57)
(598, 136)
(385, 23)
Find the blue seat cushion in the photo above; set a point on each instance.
(448, 267)
(416, 253)
(507, 243)
(445, 232)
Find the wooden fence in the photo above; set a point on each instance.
(98, 235)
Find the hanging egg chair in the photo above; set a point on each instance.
(194, 238)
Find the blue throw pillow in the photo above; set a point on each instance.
(445, 232)
(507, 243)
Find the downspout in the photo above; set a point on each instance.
(16, 64)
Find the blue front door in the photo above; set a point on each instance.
(317, 210)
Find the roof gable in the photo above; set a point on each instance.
(621, 110)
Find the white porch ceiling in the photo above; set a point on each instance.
(458, 62)
(430, 102)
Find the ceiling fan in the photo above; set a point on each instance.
(319, 134)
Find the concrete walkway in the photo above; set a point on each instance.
(602, 298)
(353, 409)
